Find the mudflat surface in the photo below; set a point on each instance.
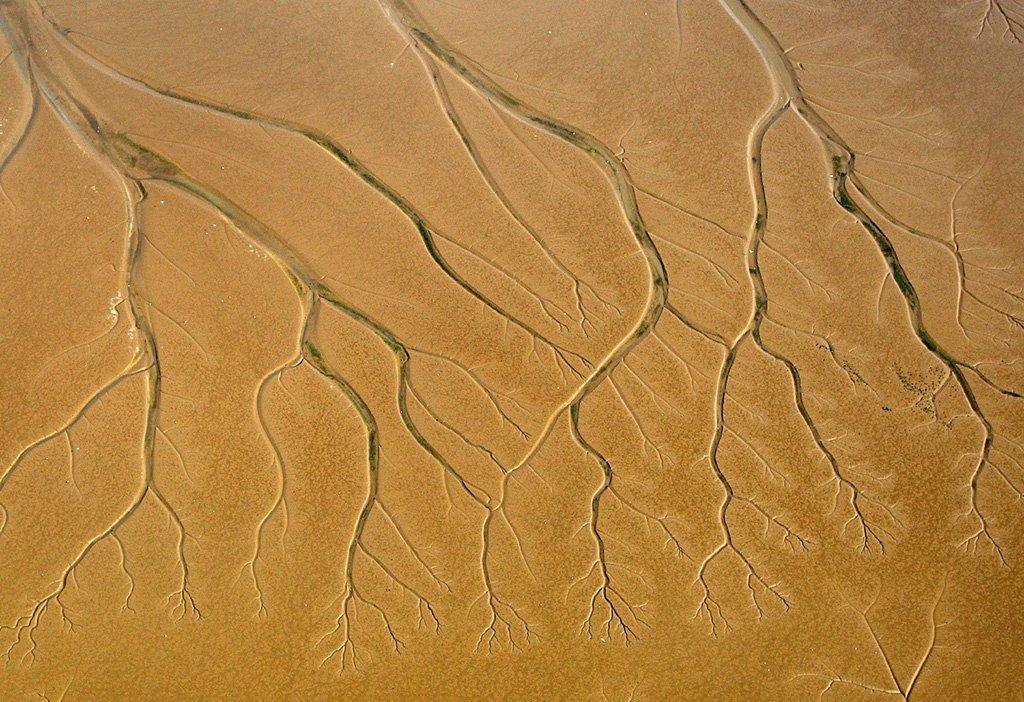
(512, 350)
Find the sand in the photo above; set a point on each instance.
(533, 350)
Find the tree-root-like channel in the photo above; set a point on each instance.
(556, 334)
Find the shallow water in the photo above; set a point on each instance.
(447, 350)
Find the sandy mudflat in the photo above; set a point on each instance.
(512, 350)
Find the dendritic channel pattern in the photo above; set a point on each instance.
(613, 607)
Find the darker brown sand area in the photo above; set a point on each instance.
(447, 350)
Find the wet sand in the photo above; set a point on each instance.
(446, 350)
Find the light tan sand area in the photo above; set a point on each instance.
(436, 349)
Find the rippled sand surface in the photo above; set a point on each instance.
(409, 349)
